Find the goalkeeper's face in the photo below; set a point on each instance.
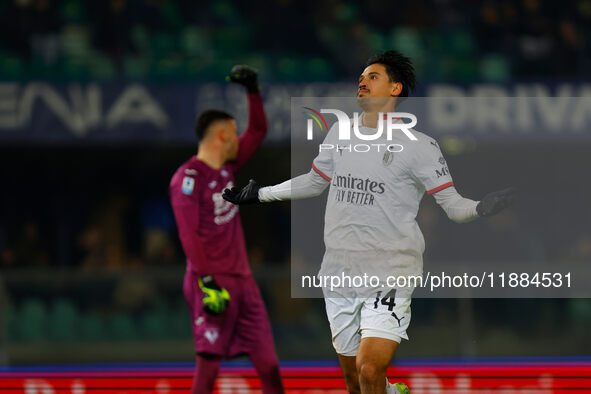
(230, 139)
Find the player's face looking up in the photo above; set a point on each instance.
(376, 92)
(375, 82)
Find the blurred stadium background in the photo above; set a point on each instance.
(97, 102)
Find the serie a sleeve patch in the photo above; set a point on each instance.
(188, 185)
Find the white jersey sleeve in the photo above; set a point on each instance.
(311, 184)
(429, 167)
(457, 208)
(303, 186)
(323, 164)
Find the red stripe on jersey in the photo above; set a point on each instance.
(435, 190)
(322, 174)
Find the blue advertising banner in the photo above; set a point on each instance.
(106, 113)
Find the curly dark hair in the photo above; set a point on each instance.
(399, 69)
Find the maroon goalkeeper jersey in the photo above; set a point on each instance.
(209, 227)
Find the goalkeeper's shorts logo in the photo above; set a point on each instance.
(211, 334)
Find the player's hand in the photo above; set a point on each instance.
(245, 76)
(249, 194)
(495, 202)
(216, 299)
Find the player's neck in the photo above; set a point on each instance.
(370, 119)
(211, 157)
(374, 107)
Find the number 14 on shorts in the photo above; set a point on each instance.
(388, 300)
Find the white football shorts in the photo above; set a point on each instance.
(353, 318)
(366, 310)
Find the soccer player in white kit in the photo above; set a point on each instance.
(370, 225)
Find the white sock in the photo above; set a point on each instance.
(390, 388)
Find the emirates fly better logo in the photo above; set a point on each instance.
(387, 123)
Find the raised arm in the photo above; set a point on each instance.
(256, 130)
(250, 140)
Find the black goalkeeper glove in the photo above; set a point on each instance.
(215, 299)
(245, 76)
(249, 194)
(495, 202)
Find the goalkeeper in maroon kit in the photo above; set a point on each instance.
(227, 312)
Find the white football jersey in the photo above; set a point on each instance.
(374, 196)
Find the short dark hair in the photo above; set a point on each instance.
(206, 118)
(399, 69)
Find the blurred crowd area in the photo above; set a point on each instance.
(87, 235)
(106, 209)
(292, 41)
(90, 260)
(106, 242)
(53, 318)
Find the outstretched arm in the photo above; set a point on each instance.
(463, 210)
(303, 186)
(457, 208)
